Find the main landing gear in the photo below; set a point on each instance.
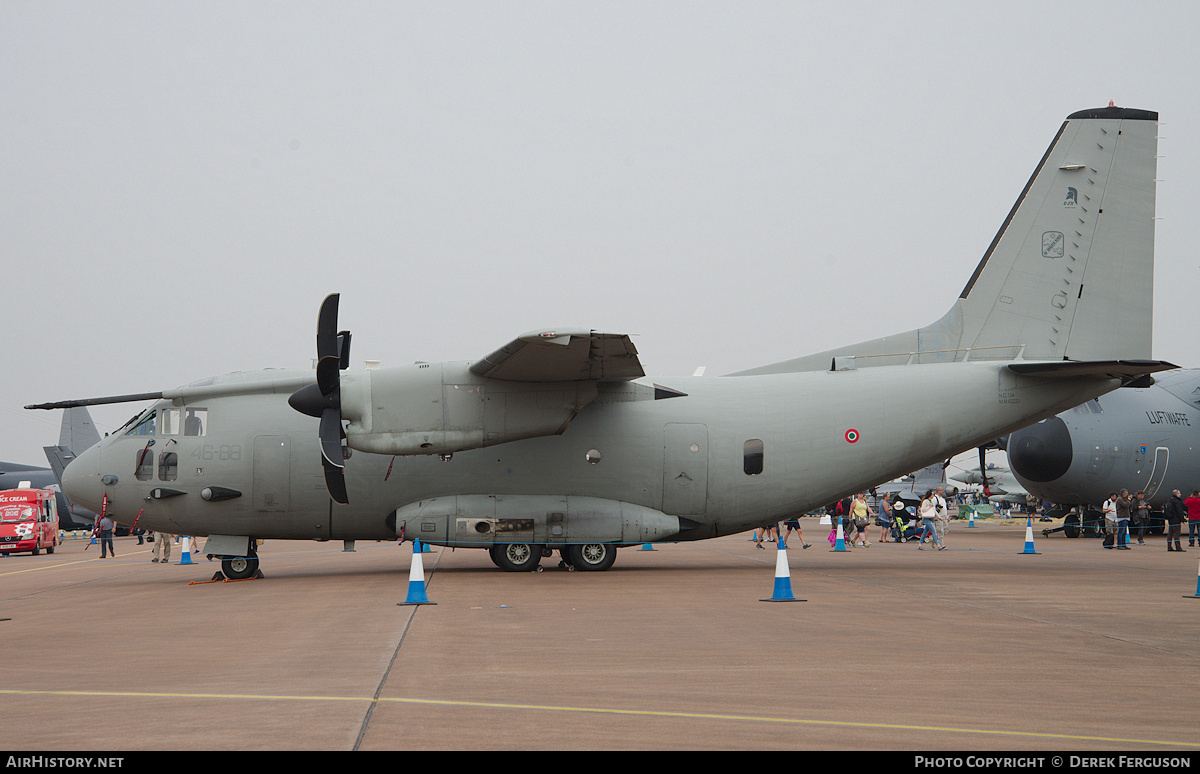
(526, 557)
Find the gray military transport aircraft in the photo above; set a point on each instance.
(556, 441)
(1143, 437)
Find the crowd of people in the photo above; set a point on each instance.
(1127, 516)
(105, 527)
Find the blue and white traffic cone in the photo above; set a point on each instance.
(1197, 594)
(783, 578)
(840, 545)
(186, 548)
(1029, 537)
(971, 518)
(416, 580)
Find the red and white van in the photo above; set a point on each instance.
(28, 520)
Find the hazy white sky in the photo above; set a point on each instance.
(735, 183)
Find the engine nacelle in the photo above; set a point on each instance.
(480, 521)
(440, 408)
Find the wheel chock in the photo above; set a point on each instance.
(217, 576)
(256, 576)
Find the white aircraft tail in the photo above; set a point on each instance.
(1070, 274)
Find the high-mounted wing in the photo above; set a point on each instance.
(563, 356)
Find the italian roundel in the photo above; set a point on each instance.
(851, 435)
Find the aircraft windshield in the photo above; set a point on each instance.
(16, 513)
(145, 427)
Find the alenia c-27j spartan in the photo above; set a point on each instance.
(557, 441)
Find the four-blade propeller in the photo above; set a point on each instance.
(324, 399)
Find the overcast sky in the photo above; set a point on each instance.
(735, 183)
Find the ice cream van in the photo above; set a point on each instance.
(28, 520)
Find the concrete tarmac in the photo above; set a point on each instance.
(979, 647)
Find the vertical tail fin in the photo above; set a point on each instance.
(1069, 275)
(77, 432)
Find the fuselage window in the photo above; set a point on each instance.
(168, 466)
(170, 421)
(144, 460)
(195, 421)
(752, 457)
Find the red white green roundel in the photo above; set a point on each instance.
(851, 435)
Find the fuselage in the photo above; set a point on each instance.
(730, 454)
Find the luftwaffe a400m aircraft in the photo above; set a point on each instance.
(557, 441)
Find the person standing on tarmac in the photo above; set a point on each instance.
(884, 519)
(1124, 506)
(1193, 509)
(107, 525)
(1141, 516)
(162, 547)
(942, 522)
(928, 512)
(1175, 513)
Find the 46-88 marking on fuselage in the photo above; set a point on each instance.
(224, 452)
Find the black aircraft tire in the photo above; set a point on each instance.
(593, 557)
(1071, 525)
(516, 557)
(240, 568)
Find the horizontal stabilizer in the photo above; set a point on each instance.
(1109, 369)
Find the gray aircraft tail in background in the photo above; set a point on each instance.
(77, 432)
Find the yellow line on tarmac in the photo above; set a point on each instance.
(609, 711)
(58, 565)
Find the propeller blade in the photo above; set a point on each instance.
(335, 482)
(343, 339)
(324, 399)
(327, 344)
(331, 437)
(328, 378)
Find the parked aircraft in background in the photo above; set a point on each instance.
(1136, 438)
(913, 487)
(1001, 484)
(77, 431)
(556, 441)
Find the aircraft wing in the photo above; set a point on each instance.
(563, 356)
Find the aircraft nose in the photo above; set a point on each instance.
(81, 480)
(1041, 452)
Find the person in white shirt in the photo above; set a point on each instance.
(1110, 518)
(942, 522)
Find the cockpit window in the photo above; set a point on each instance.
(195, 421)
(170, 421)
(145, 427)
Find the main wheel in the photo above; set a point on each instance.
(593, 556)
(516, 557)
(240, 568)
(1071, 525)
